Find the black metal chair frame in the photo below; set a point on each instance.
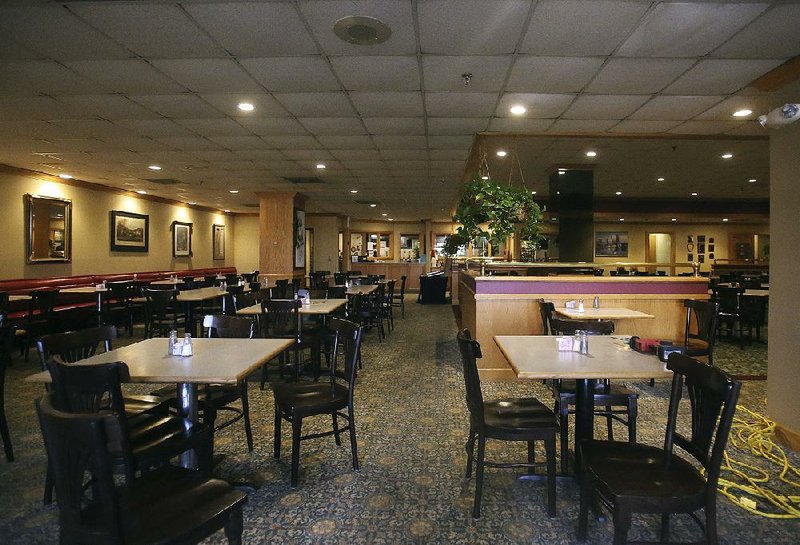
(7, 335)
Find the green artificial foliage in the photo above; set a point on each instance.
(503, 208)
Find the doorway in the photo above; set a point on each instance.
(661, 249)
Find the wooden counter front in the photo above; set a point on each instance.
(394, 269)
(492, 305)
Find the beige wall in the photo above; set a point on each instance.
(91, 253)
(783, 385)
(246, 243)
(326, 241)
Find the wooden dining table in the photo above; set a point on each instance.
(603, 313)
(99, 295)
(537, 357)
(215, 361)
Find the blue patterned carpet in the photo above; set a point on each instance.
(412, 423)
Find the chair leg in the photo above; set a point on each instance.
(564, 433)
(353, 444)
(248, 431)
(470, 447)
(336, 433)
(234, 526)
(633, 414)
(711, 521)
(297, 424)
(583, 512)
(550, 452)
(5, 434)
(531, 456)
(665, 527)
(622, 523)
(277, 426)
(476, 506)
(48, 487)
(610, 423)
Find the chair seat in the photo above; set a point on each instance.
(153, 437)
(137, 404)
(643, 474)
(310, 398)
(517, 418)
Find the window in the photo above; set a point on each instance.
(409, 247)
(373, 245)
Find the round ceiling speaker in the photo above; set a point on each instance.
(361, 30)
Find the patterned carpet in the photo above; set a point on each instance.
(411, 423)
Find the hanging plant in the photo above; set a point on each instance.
(502, 208)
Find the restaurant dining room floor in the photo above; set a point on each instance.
(412, 422)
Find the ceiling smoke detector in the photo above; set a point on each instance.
(361, 30)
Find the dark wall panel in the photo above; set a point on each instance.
(572, 194)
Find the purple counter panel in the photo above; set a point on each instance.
(577, 286)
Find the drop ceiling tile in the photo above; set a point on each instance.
(56, 33)
(260, 157)
(137, 144)
(637, 76)
(356, 154)
(32, 129)
(40, 107)
(688, 29)
(292, 74)
(552, 74)
(706, 127)
(290, 142)
(448, 155)
(471, 27)
(388, 104)
(214, 127)
(185, 106)
(538, 105)
(450, 142)
(242, 28)
(725, 109)
(155, 128)
(44, 77)
(76, 145)
(369, 73)
(519, 125)
(272, 126)
(13, 51)
(677, 108)
(604, 106)
(239, 142)
(395, 125)
(208, 75)
(717, 76)
(131, 76)
(639, 126)
(347, 142)
(460, 104)
(188, 143)
(316, 104)
(264, 105)
(108, 107)
(332, 126)
(398, 16)
(775, 32)
(310, 157)
(404, 154)
(91, 128)
(578, 28)
(421, 166)
(456, 125)
(445, 73)
(364, 165)
(160, 31)
(582, 125)
(749, 129)
(400, 142)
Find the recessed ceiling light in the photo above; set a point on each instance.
(65, 176)
(354, 191)
(694, 194)
(742, 113)
(726, 155)
(154, 167)
(384, 214)
(372, 205)
(554, 219)
(660, 179)
(502, 153)
(226, 210)
(591, 154)
(724, 219)
(484, 177)
(621, 219)
(752, 180)
(558, 192)
(674, 219)
(618, 193)
(233, 191)
(321, 166)
(142, 192)
(391, 219)
(518, 109)
(191, 203)
(533, 192)
(246, 107)
(562, 171)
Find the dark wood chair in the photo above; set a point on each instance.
(119, 304)
(282, 290)
(41, 317)
(168, 506)
(340, 278)
(516, 419)
(299, 400)
(611, 401)
(7, 336)
(281, 319)
(632, 478)
(164, 313)
(399, 299)
(701, 328)
(388, 305)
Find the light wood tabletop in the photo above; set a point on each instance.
(84, 289)
(19, 297)
(200, 294)
(317, 306)
(362, 290)
(603, 313)
(756, 293)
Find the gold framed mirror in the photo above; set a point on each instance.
(49, 229)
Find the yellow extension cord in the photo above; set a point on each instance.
(754, 433)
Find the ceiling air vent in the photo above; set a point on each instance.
(163, 181)
(304, 180)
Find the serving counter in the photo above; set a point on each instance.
(509, 305)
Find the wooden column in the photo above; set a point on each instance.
(276, 230)
(426, 249)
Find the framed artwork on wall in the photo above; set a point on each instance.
(611, 244)
(218, 238)
(181, 239)
(299, 238)
(129, 232)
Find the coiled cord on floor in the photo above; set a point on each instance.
(747, 486)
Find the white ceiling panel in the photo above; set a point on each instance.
(471, 27)
(132, 76)
(457, 125)
(725, 109)
(41, 107)
(356, 154)
(292, 74)
(639, 126)
(254, 29)
(404, 154)
(316, 104)
(214, 127)
(264, 105)
(138, 144)
(400, 142)
(272, 126)
(388, 104)
(13, 51)
(332, 126)
(161, 31)
(43, 77)
(604, 106)
(239, 142)
(395, 125)
(450, 142)
(347, 142)
(775, 32)
(519, 125)
(369, 73)
(91, 128)
(155, 128)
(718, 76)
(445, 73)
(108, 106)
(553, 74)
(289, 142)
(310, 158)
(188, 143)
(538, 105)
(398, 16)
(582, 125)
(580, 28)
(685, 29)
(448, 155)
(460, 104)
(637, 76)
(208, 75)
(186, 106)
(706, 127)
(260, 157)
(676, 108)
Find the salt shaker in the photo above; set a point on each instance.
(580, 306)
(596, 302)
(173, 337)
(584, 346)
(187, 345)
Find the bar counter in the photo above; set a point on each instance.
(393, 270)
(508, 305)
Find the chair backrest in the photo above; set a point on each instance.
(243, 300)
(339, 278)
(43, 301)
(231, 278)
(235, 289)
(318, 293)
(75, 345)
(281, 318)
(7, 335)
(337, 292)
(120, 291)
(728, 298)
(704, 314)
(255, 286)
(560, 326)
(390, 290)
(348, 336)
(282, 290)
(3, 301)
(161, 302)
(229, 327)
(470, 351)
(77, 454)
(403, 285)
(713, 397)
(546, 309)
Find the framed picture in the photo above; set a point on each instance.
(129, 232)
(181, 239)
(299, 238)
(218, 238)
(611, 244)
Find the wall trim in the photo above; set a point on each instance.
(787, 437)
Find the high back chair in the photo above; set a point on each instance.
(399, 299)
(632, 478)
(281, 319)
(701, 328)
(163, 312)
(7, 335)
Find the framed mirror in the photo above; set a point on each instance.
(49, 229)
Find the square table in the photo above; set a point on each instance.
(99, 294)
(603, 313)
(317, 307)
(538, 357)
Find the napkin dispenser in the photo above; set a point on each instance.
(664, 350)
